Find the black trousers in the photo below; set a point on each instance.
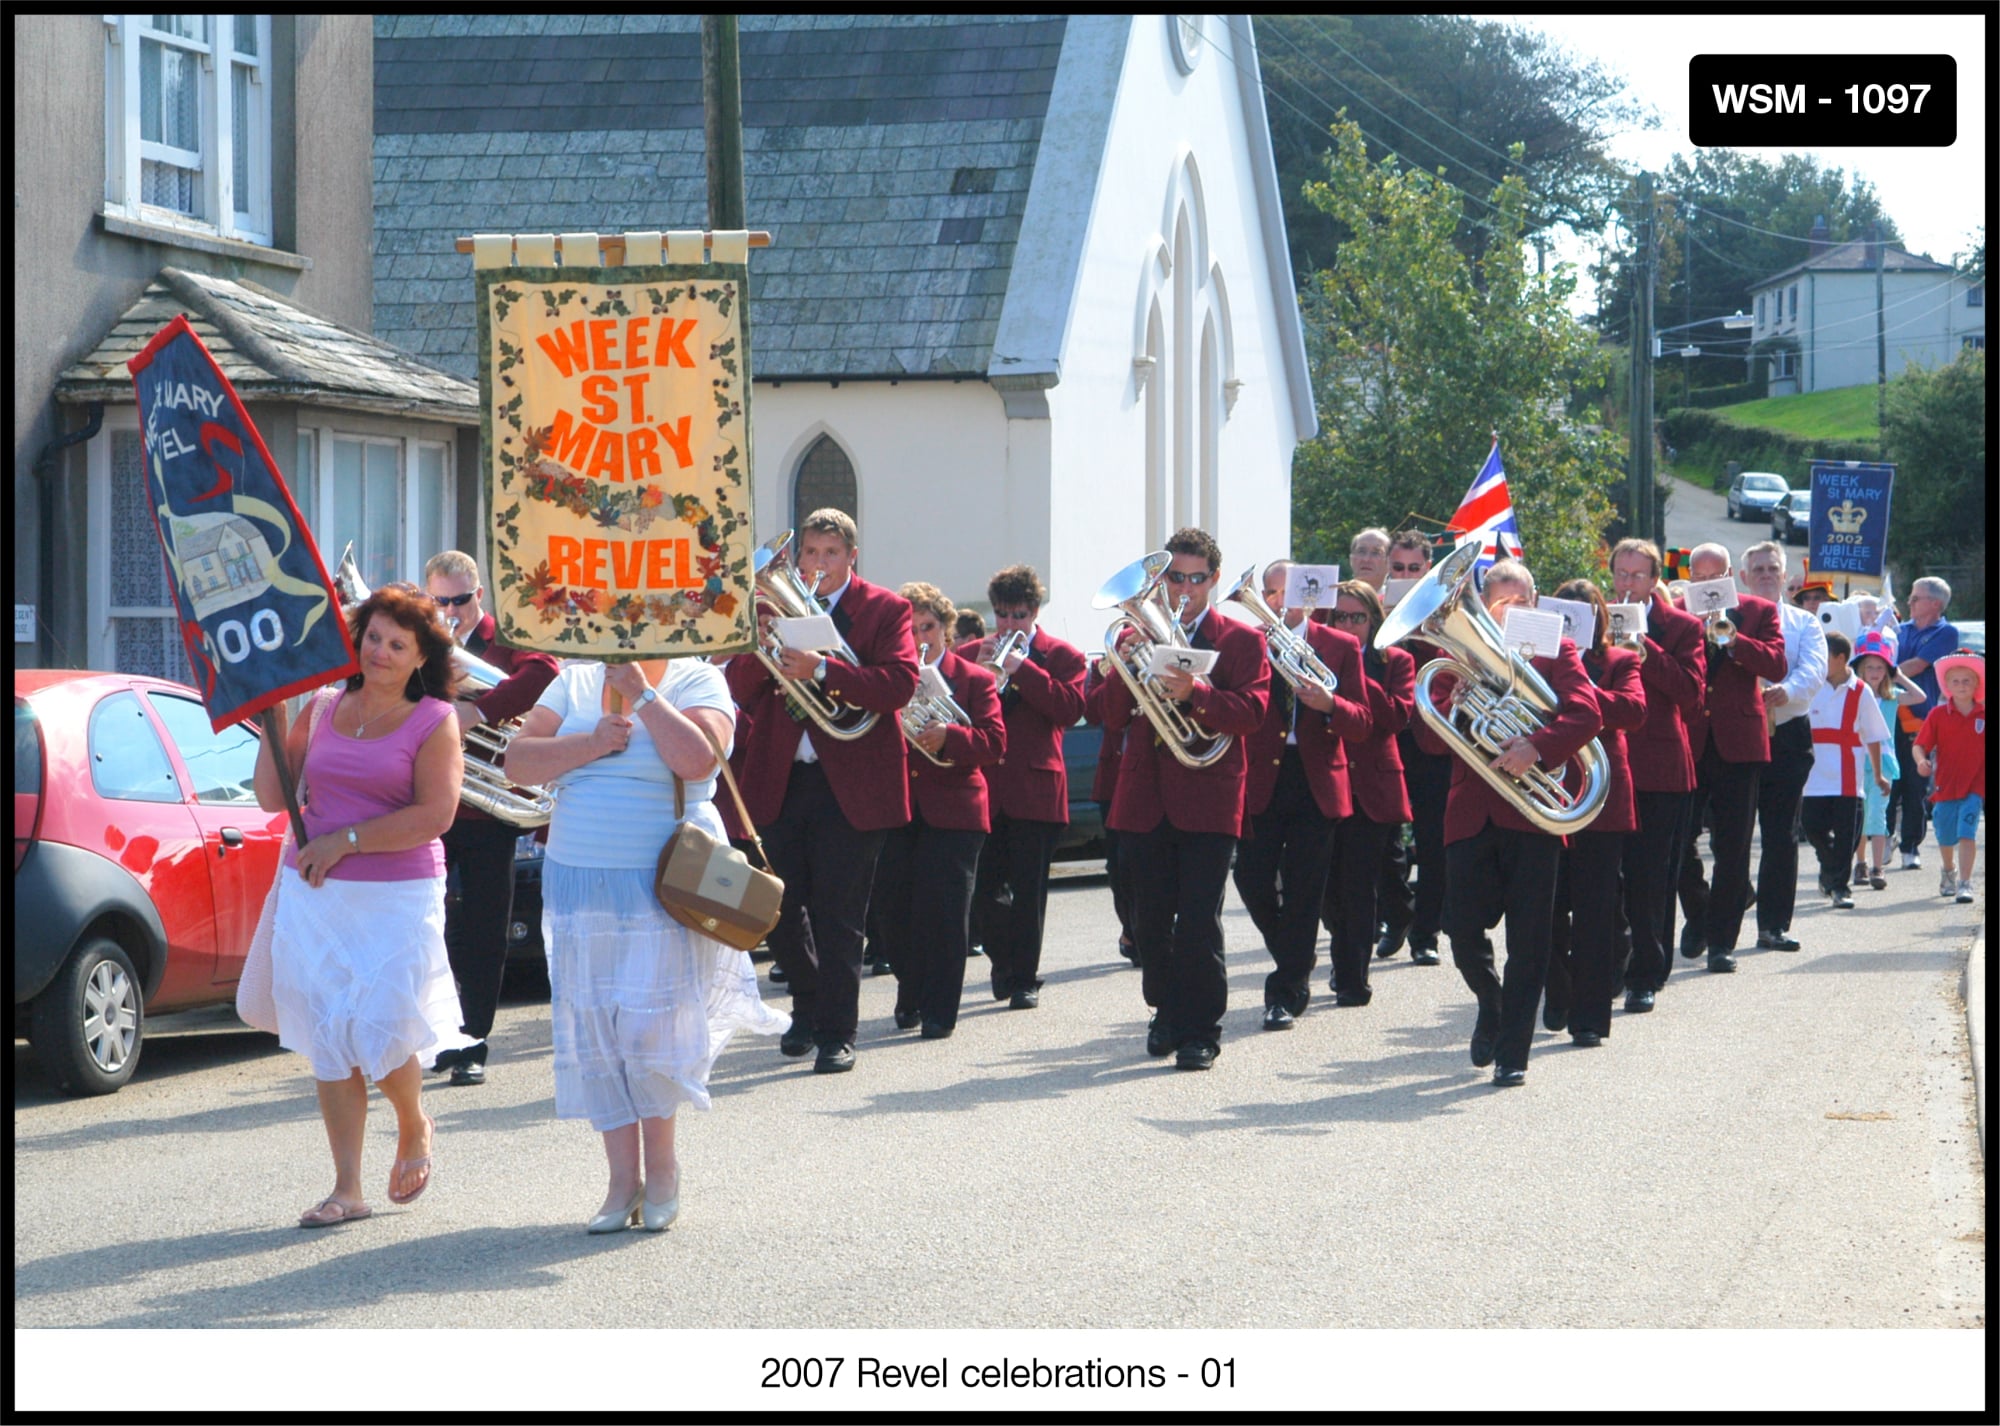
(1503, 873)
(1584, 944)
(1651, 862)
(1907, 805)
(1732, 807)
(481, 849)
(1118, 871)
(828, 870)
(1178, 881)
(1281, 876)
(1013, 891)
(922, 908)
(1829, 824)
(1427, 776)
(1352, 884)
(1779, 792)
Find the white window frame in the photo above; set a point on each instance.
(246, 218)
(410, 558)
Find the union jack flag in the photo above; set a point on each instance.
(1488, 511)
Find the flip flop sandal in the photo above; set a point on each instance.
(344, 1213)
(406, 1166)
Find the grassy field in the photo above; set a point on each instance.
(1847, 414)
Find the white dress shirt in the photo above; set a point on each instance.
(807, 753)
(1805, 662)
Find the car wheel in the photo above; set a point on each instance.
(88, 1023)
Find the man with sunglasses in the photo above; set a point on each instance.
(1416, 912)
(1183, 822)
(480, 847)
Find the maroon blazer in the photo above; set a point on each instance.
(1375, 763)
(527, 673)
(1104, 784)
(1152, 783)
(955, 797)
(867, 775)
(1322, 736)
(1044, 696)
(1621, 699)
(1676, 686)
(1473, 802)
(1733, 711)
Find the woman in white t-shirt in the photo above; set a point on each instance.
(640, 1006)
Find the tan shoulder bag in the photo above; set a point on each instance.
(709, 886)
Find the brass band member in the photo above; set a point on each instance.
(1029, 787)
(1498, 863)
(826, 805)
(1381, 803)
(1183, 822)
(1295, 795)
(479, 846)
(1583, 956)
(922, 903)
(1413, 909)
(1103, 790)
(1781, 788)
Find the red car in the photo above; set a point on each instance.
(141, 863)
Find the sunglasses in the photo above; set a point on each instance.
(1175, 576)
(1398, 568)
(1358, 616)
(454, 601)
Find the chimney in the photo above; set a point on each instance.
(1816, 240)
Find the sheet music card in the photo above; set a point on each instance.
(1193, 661)
(1711, 596)
(1312, 586)
(1533, 633)
(1579, 619)
(1628, 621)
(1393, 591)
(814, 634)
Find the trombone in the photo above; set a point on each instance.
(1291, 655)
(1137, 593)
(778, 583)
(926, 709)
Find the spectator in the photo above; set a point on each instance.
(1952, 746)
(968, 625)
(1921, 640)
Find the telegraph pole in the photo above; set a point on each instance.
(1639, 497)
(722, 116)
(1881, 348)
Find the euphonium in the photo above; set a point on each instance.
(486, 786)
(1291, 655)
(779, 585)
(922, 711)
(1004, 648)
(1135, 590)
(1499, 695)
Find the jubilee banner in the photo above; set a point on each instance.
(257, 613)
(1849, 528)
(617, 437)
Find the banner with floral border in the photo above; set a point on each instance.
(616, 433)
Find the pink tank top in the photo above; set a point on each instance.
(351, 780)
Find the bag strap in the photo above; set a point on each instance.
(742, 812)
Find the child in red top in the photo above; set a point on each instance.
(1951, 751)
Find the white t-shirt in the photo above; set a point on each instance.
(617, 811)
(1829, 714)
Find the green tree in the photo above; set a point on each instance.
(1934, 429)
(1421, 354)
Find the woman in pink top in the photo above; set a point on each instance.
(359, 974)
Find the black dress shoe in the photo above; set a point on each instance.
(1585, 1039)
(1639, 1002)
(1024, 1000)
(1129, 951)
(1195, 1055)
(1159, 1039)
(1423, 955)
(908, 1019)
(795, 1042)
(1842, 901)
(1554, 1016)
(1001, 990)
(1391, 942)
(1509, 1078)
(1721, 961)
(1693, 944)
(1775, 941)
(934, 1031)
(468, 1072)
(1485, 1036)
(1349, 999)
(1276, 1017)
(834, 1059)
(777, 974)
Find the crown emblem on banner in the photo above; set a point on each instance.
(1847, 518)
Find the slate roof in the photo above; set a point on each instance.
(270, 349)
(888, 156)
(1856, 256)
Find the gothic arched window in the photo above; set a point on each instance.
(826, 477)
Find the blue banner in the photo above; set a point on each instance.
(1849, 529)
(257, 613)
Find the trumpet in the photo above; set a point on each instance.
(1136, 591)
(1004, 648)
(924, 710)
(1291, 655)
(778, 583)
(1718, 628)
(1499, 695)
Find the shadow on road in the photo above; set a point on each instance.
(161, 1057)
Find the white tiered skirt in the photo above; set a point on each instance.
(359, 974)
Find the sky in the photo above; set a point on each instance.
(1937, 196)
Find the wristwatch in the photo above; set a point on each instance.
(651, 695)
(353, 840)
(819, 671)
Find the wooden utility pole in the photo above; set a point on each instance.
(1881, 347)
(722, 114)
(1639, 496)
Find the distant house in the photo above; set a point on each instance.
(1816, 322)
(1028, 297)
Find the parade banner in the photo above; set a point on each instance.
(257, 613)
(1849, 529)
(617, 441)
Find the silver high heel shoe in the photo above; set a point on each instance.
(658, 1215)
(620, 1219)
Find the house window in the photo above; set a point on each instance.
(1782, 364)
(388, 496)
(1760, 309)
(1975, 295)
(303, 481)
(1792, 302)
(826, 478)
(188, 122)
(1973, 344)
(430, 500)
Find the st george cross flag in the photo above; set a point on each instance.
(1488, 512)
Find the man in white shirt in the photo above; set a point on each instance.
(1784, 780)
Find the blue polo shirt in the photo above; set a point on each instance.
(1933, 644)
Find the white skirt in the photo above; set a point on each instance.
(639, 1006)
(359, 974)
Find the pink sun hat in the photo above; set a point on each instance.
(1972, 663)
(1873, 643)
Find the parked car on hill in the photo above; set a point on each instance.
(1971, 635)
(1791, 518)
(141, 863)
(1753, 493)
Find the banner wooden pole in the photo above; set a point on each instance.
(274, 734)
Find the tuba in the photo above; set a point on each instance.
(923, 710)
(1291, 655)
(486, 786)
(1499, 696)
(1004, 648)
(779, 585)
(1136, 591)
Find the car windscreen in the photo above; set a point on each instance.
(1763, 482)
(27, 750)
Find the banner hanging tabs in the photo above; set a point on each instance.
(617, 444)
(257, 613)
